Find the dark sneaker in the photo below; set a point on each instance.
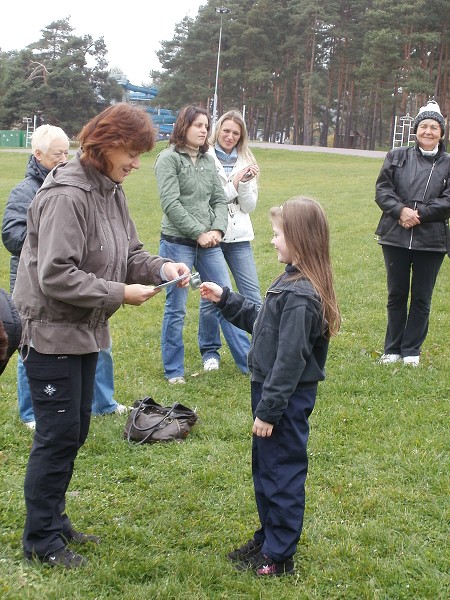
(263, 566)
(60, 558)
(245, 552)
(80, 538)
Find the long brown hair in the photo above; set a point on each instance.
(186, 117)
(119, 126)
(307, 237)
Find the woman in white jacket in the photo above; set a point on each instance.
(238, 172)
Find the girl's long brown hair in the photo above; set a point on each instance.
(307, 238)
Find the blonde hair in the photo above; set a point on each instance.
(242, 145)
(44, 135)
(307, 238)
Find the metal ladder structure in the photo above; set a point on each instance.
(31, 126)
(403, 135)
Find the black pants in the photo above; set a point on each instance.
(410, 274)
(61, 390)
(279, 469)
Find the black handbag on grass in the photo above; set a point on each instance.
(150, 422)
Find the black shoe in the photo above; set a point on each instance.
(264, 566)
(245, 552)
(80, 538)
(61, 558)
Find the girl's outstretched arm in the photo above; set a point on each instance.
(211, 291)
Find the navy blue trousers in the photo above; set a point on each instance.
(61, 390)
(279, 468)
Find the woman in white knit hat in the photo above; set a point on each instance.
(413, 191)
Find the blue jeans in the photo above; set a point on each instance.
(23, 393)
(103, 400)
(239, 257)
(211, 265)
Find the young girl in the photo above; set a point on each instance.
(289, 347)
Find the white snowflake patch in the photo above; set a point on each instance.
(49, 390)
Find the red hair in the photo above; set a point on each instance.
(119, 126)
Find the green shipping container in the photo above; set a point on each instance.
(12, 139)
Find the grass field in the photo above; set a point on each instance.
(377, 515)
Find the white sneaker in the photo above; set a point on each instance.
(176, 380)
(30, 425)
(211, 364)
(411, 360)
(121, 409)
(387, 359)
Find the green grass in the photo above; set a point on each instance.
(376, 523)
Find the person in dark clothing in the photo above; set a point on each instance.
(290, 337)
(10, 329)
(413, 191)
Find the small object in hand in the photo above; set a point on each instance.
(195, 281)
(171, 282)
(247, 176)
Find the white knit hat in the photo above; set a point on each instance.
(430, 111)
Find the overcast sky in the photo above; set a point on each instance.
(132, 30)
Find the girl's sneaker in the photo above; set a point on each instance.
(245, 552)
(264, 566)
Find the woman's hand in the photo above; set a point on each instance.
(209, 239)
(245, 175)
(173, 270)
(262, 428)
(136, 294)
(211, 291)
(409, 218)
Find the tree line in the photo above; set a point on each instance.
(326, 72)
(330, 73)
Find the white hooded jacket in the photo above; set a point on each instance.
(240, 202)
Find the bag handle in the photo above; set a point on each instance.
(152, 427)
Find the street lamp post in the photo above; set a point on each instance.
(222, 11)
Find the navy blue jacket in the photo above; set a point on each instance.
(14, 227)
(289, 347)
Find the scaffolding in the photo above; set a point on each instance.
(403, 135)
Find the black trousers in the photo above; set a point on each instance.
(61, 390)
(411, 274)
(279, 469)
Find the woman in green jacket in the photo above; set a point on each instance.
(194, 222)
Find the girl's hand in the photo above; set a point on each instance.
(262, 428)
(211, 291)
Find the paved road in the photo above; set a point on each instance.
(295, 148)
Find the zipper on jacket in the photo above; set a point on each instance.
(423, 199)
